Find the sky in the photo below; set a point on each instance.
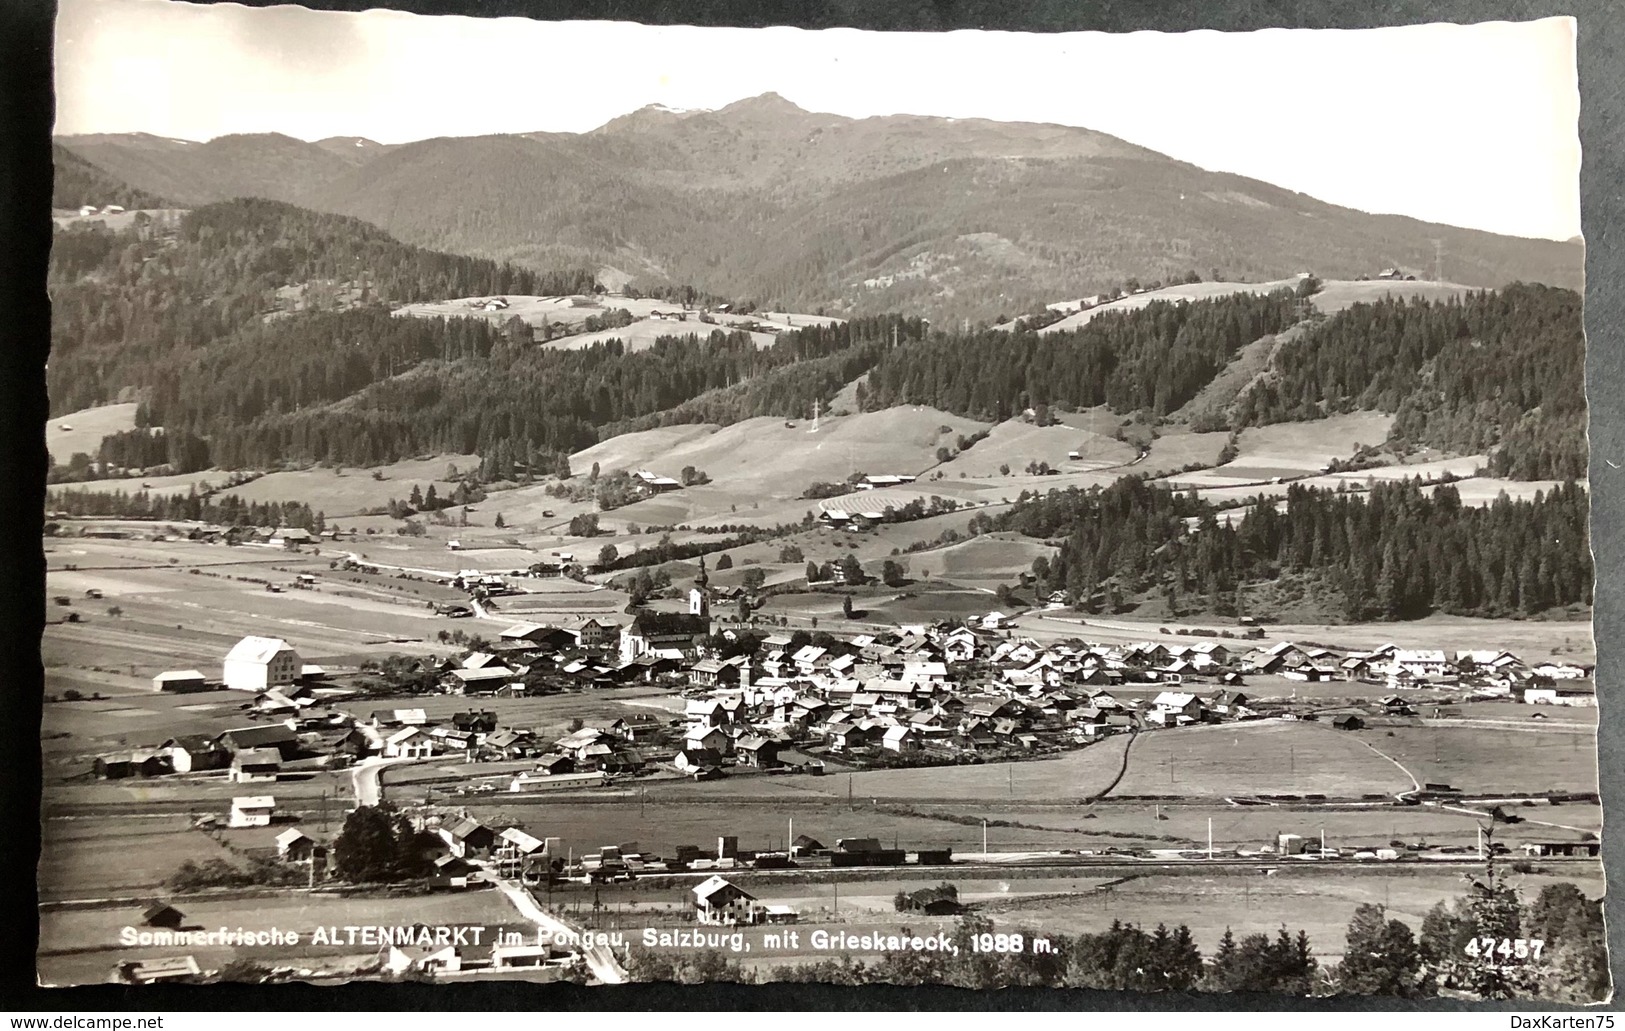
(1473, 126)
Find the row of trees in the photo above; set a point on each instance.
(227, 510)
(1394, 552)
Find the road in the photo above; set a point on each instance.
(599, 959)
(364, 783)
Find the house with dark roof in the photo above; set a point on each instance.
(255, 765)
(272, 735)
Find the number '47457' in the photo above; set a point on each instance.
(1492, 949)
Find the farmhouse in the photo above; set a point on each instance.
(252, 811)
(294, 845)
(484, 680)
(720, 901)
(1424, 664)
(258, 663)
(141, 762)
(255, 765)
(279, 736)
(1582, 694)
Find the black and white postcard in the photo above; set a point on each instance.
(605, 503)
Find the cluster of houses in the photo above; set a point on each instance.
(920, 694)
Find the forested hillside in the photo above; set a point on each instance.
(126, 302)
(78, 182)
(1395, 553)
(361, 387)
(1155, 358)
(1501, 371)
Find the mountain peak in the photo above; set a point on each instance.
(766, 104)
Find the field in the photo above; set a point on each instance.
(995, 557)
(1320, 902)
(82, 945)
(347, 492)
(113, 858)
(1480, 759)
(1256, 758)
(572, 311)
(1016, 444)
(778, 458)
(82, 431)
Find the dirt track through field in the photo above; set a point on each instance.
(1416, 785)
(1128, 746)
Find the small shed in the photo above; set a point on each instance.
(162, 914)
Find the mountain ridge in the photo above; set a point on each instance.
(760, 199)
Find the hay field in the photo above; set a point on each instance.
(1016, 443)
(1000, 557)
(1337, 294)
(110, 857)
(347, 492)
(779, 458)
(1070, 777)
(1478, 759)
(1265, 757)
(82, 431)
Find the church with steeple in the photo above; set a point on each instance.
(699, 596)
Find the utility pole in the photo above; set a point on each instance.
(984, 840)
(815, 416)
(1210, 837)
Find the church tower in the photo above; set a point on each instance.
(699, 598)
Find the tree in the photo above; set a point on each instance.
(607, 556)
(584, 525)
(891, 574)
(754, 579)
(846, 606)
(561, 468)
(499, 523)
(431, 499)
(724, 561)
(812, 571)
(790, 553)
(1381, 957)
(851, 569)
(592, 477)
(416, 499)
(378, 844)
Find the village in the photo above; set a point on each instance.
(751, 708)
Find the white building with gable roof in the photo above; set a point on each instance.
(259, 663)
